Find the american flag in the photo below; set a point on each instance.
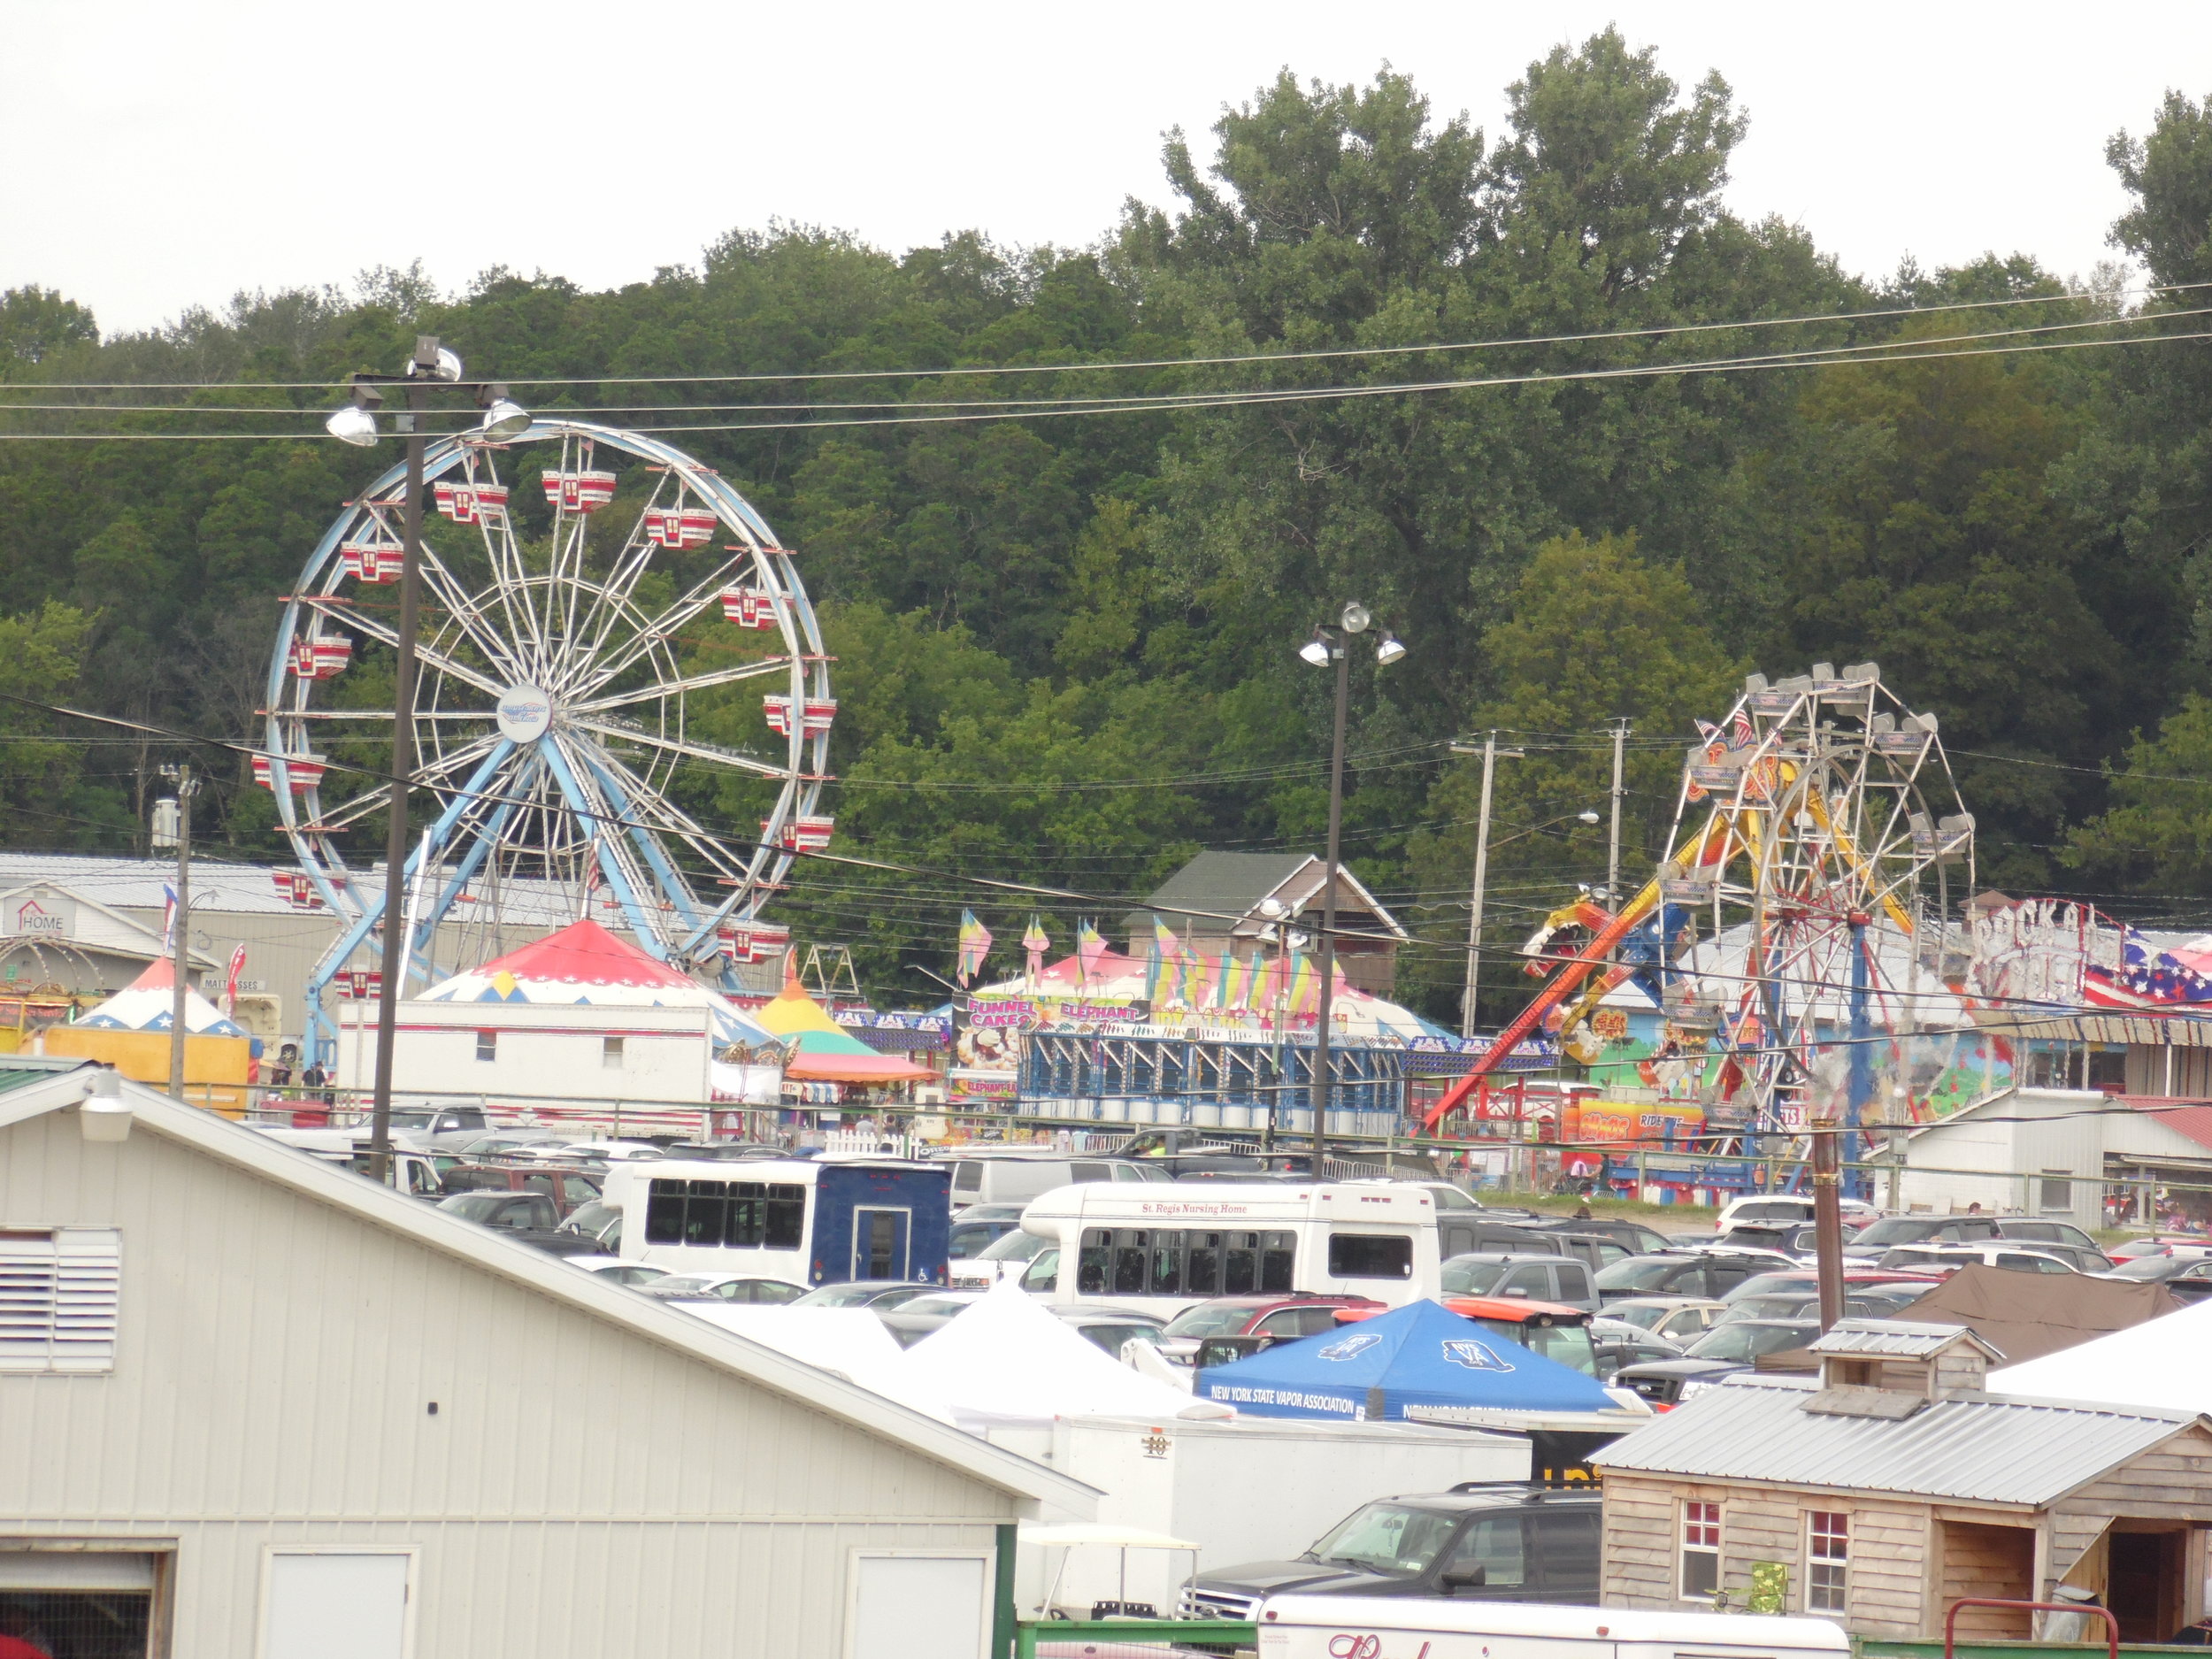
(1741, 733)
(2147, 978)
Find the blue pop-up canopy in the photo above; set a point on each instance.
(1422, 1357)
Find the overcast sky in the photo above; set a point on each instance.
(161, 156)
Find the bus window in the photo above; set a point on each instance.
(1201, 1266)
(1371, 1256)
(705, 1212)
(664, 1213)
(1243, 1264)
(1167, 1263)
(1091, 1265)
(1131, 1246)
(785, 1227)
(1277, 1251)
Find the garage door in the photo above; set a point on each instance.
(920, 1606)
(334, 1604)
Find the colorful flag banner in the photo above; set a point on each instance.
(168, 921)
(975, 944)
(1035, 942)
(1305, 984)
(1090, 952)
(230, 980)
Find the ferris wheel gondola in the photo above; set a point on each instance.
(574, 723)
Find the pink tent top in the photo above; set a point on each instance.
(584, 953)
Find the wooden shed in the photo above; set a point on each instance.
(256, 1404)
(1893, 1485)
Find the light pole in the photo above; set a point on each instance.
(1277, 917)
(354, 423)
(1332, 645)
(173, 827)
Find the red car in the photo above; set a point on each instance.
(1284, 1317)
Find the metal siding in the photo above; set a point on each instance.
(582, 1489)
(1981, 1450)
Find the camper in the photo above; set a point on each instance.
(1015, 1175)
(1376, 1627)
(1164, 1249)
(811, 1221)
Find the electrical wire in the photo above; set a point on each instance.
(1495, 344)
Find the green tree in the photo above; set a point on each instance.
(2157, 833)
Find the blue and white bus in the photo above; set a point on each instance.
(811, 1221)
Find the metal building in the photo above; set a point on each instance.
(255, 1402)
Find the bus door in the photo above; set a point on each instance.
(881, 1239)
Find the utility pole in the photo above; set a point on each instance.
(179, 828)
(1321, 1090)
(1613, 848)
(398, 944)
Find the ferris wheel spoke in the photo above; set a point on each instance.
(613, 597)
(647, 802)
(652, 631)
(757, 670)
(462, 607)
(432, 655)
(627, 732)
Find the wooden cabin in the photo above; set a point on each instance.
(1892, 1486)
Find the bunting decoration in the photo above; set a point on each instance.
(1090, 951)
(975, 944)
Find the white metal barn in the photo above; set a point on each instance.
(256, 1405)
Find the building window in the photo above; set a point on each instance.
(610, 1053)
(2057, 1195)
(1827, 1559)
(1700, 1550)
(58, 1299)
(488, 1045)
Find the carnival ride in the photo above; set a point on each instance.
(571, 719)
(1807, 918)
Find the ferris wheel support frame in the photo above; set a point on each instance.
(590, 791)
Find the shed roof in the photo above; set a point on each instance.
(1896, 1338)
(1977, 1449)
(1216, 890)
(425, 1225)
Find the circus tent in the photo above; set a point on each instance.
(148, 1004)
(821, 1050)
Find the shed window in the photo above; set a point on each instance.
(1827, 1559)
(610, 1053)
(2057, 1192)
(57, 1298)
(488, 1045)
(1700, 1550)
(1371, 1256)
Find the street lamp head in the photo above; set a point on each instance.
(1315, 650)
(445, 367)
(1270, 907)
(1356, 618)
(1586, 816)
(504, 421)
(1388, 649)
(352, 424)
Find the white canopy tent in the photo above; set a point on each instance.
(2164, 1363)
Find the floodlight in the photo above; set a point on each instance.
(1315, 650)
(504, 420)
(1388, 650)
(1356, 618)
(352, 424)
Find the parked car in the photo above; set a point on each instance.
(1677, 1318)
(599, 1151)
(1106, 1325)
(1949, 1258)
(1560, 1279)
(1892, 1230)
(1634, 1236)
(528, 1218)
(1279, 1318)
(1447, 1195)
(1806, 1280)
(1704, 1273)
(1785, 1209)
(598, 1221)
(1496, 1543)
(1614, 1352)
(570, 1189)
(909, 1322)
(2037, 1230)
(724, 1288)
(617, 1271)
(882, 1295)
(1490, 1234)
(1009, 1252)
(980, 1226)
(442, 1125)
(2188, 1277)
(501, 1143)
(1860, 1302)
(1015, 1175)
(1800, 1240)
(1110, 1328)
(1736, 1345)
(2135, 1248)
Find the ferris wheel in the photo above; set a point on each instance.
(1811, 917)
(585, 707)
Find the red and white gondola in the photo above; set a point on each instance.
(585, 491)
(816, 715)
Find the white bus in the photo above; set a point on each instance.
(809, 1221)
(1164, 1249)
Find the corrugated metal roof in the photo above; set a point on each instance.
(2007, 1451)
(1891, 1339)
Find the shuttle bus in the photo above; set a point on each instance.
(1164, 1249)
(811, 1221)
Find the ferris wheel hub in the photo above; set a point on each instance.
(525, 714)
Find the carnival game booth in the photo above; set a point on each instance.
(130, 1032)
(581, 1026)
(824, 1063)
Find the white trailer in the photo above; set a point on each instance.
(1241, 1489)
(1376, 1627)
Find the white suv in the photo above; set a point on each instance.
(1786, 1209)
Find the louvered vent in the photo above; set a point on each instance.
(57, 1298)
